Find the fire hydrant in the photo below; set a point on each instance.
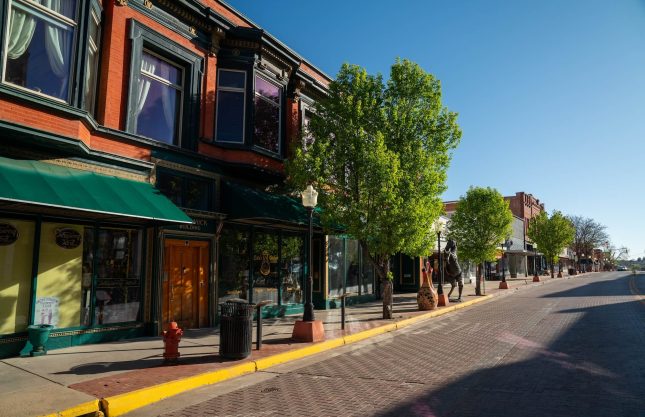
(171, 338)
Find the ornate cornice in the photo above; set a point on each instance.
(121, 2)
(181, 13)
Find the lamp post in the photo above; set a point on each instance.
(309, 329)
(507, 244)
(581, 264)
(309, 200)
(536, 277)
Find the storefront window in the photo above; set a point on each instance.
(336, 266)
(292, 269)
(118, 276)
(265, 267)
(16, 252)
(88, 273)
(60, 268)
(234, 264)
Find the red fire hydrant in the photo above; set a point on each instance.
(171, 338)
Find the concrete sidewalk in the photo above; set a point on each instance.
(121, 376)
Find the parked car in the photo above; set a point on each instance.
(621, 268)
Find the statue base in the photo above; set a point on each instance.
(536, 278)
(503, 285)
(308, 331)
(442, 300)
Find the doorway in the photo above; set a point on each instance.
(185, 283)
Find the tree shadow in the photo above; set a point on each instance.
(594, 368)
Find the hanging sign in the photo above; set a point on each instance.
(68, 238)
(8, 234)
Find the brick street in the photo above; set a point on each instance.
(571, 348)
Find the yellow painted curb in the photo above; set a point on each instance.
(412, 320)
(353, 338)
(78, 410)
(293, 355)
(124, 403)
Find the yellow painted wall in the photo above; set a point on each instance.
(15, 278)
(59, 274)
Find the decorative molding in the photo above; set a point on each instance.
(148, 4)
(183, 168)
(192, 30)
(75, 164)
(217, 36)
(179, 11)
(295, 89)
(236, 43)
(121, 2)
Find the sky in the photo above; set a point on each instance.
(550, 93)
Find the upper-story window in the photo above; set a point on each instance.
(158, 95)
(164, 81)
(268, 109)
(41, 48)
(92, 62)
(231, 106)
(264, 106)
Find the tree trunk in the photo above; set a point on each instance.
(552, 265)
(478, 286)
(388, 299)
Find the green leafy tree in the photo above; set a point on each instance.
(481, 222)
(379, 159)
(551, 234)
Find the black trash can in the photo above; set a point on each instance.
(236, 329)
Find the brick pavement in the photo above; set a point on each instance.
(573, 348)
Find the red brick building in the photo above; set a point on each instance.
(138, 142)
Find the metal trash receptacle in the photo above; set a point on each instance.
(236, 329)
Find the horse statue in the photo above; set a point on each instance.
(452, 270)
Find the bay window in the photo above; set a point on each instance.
(231, 97)
(42, 48)
(268, 103)
(264, 110)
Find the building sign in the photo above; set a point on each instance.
(68, 238)
(199, 225)
(46, 311)
(8, 234)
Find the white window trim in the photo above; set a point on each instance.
(233, 90)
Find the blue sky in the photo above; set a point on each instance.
(550, 93)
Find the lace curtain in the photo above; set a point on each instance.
(150, 64)
(21, 29)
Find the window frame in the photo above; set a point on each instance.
(243, 90)
(143, 39)
(280, 105)
(79, 50)
(185, 177)
(95, 13)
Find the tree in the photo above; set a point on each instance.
(379, 157)
(612, 254)
(551, 234)
(481, 222)
(589, 235)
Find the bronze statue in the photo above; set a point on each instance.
(452, 269)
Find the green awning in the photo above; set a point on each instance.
(42, 184)
(255, 206)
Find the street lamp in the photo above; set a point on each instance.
(309, 329)
(507, 244)
(536, 277)
(309, 200)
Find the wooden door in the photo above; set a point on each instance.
(185, 283)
